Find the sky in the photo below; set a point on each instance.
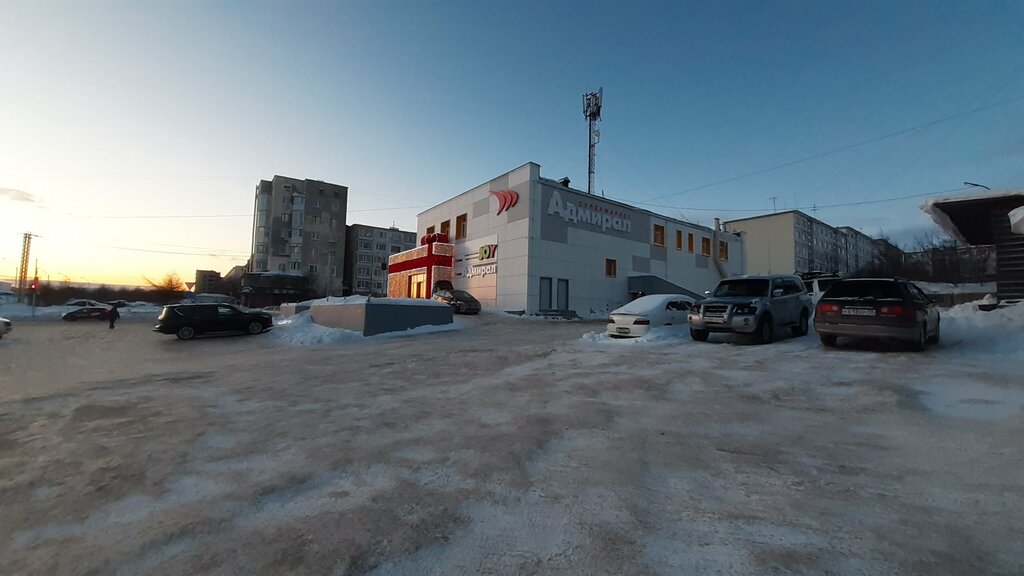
(133, 134)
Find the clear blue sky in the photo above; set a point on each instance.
(170, 108)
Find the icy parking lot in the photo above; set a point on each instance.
(509, 446)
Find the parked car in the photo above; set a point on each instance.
(188, 320)
(637, 317)
(756, 305)
(118, 304)
(817, 283)
(86, 313)
(84, 302)
(889, 308)
(462, 302)
(5, 327)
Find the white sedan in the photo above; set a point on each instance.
(637, 317)
(5, 327)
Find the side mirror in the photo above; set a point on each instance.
(707, 292)
(777, 292)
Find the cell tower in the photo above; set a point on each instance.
(26, 247)
(592, 112)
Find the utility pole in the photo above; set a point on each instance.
(773, 199)
(592, 112)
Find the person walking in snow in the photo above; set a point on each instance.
(113, 315)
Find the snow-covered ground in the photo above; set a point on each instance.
(511, 447)
(18, 311)
(951, 288)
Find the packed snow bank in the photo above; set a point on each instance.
(339, 300)
(17, 311)
(656, 334)
(300, 330)
(965, 329)
(951, 288)
(1017, 220)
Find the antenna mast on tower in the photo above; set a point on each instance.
(592, 112)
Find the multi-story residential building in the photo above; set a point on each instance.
(207, 282)
(787, 242)
(299, 229)
(366, 255)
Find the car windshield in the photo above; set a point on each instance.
(871, 289)
(462, 295)
(752, 288)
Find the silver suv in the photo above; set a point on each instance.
(756, 305)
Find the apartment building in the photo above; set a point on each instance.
(299, 229)
(366, 255)
(207, 282)
(791, 241)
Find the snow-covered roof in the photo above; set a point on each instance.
(936, 208)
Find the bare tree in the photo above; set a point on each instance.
(169, 289)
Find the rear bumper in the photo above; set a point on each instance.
(866, 330)
(632, 330)
(165, 329)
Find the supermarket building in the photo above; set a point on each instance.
(527, 243)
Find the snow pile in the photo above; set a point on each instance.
(656, 334)
(300, 330)
(1017, 220)
(965, 329)
(951, 288)
(16, 311)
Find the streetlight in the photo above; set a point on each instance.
(976, 185)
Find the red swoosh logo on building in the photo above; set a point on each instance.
(506, 199)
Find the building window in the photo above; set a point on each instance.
(365, 232)
(295, 265)
(723, 250)
(611, 269)
(382, 247)
(334, 223)
(689, 242)
(364, 244)
(314, 219)
(363, 271)
(261, 249)
(312, 268)
(461, 226)
(430, 230)
(315, 251)
(316, 203)
(280, 267)
(362, 285)
(446, 227)
(381, 234)
(284, 217)
(378, 286)
(333, 238)
(364, 258)
(705, 246)
(284, 199)
(679, 240)
(659, 235)
(316, 235)
(335, 205)
(334, 271)
(395, 249)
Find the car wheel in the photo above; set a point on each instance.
(699, 335)
(934, 339)
(255, 327)
(921, 342)
(801, 328)
(764, 332)
(828, 340)
(185, 333)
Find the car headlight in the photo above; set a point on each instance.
(745, 309)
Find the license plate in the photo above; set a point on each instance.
(621, 330)
(858, 311)
(716, 319)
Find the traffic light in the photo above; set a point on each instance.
(33, 286)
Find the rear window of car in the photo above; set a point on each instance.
(875, 289)
(751, 288)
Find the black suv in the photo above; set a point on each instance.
(187, 320)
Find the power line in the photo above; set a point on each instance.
(187, 216)
(811, 206)
(843, 148)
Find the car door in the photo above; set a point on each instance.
(677, 311)
(230, 318)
